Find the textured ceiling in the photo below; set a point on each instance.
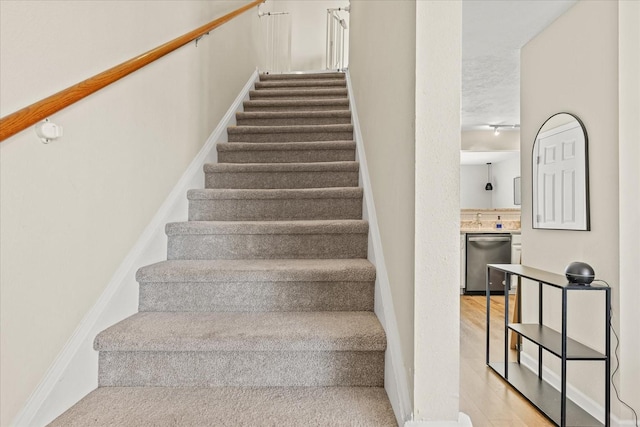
(493, 31)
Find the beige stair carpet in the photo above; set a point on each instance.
(262, 314)
(231, 406)
(289, 152)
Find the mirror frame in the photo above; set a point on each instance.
(534, 169)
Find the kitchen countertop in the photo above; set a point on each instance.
(487, 230)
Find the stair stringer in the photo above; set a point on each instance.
(395, 374)
(72, 375)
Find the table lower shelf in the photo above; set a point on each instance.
(543, 396)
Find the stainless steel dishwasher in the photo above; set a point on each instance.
(483, 249)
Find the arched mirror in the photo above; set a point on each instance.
(561, 174)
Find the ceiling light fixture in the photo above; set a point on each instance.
(496, 128)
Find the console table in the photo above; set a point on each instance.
(553, 403)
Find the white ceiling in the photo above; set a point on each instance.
(493, 31)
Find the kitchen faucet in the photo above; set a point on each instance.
(478, 220)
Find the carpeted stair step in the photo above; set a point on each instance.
(293, 118)
(267, 239)
(262, 313)
(281, 175)
(287, 152)
(303, 133)
(274, 204)
(296, 104)
(257, 285)
(302, 76)
(243, 349)
(231, 406)
(301, 83)
(321, 93)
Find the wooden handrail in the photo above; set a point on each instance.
(22, 119)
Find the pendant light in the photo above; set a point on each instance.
(488, 187)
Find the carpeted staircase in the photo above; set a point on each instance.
(262, 314)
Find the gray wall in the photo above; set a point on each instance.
(71, 210)
(405, 65)
(382, 66)
(572, 66)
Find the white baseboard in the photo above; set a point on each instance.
(592, 407)
(463, 421)
(74, 372)
(395, 373)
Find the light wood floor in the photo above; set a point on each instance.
(486, 398)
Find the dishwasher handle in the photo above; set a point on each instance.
(490, 239)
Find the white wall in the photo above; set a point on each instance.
(473, 178)
(72, 209)
(437, 212)
(308, 30)
(503, 173)
(582, 45)
(629, 181)
(386, 110)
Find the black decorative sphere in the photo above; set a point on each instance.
(580, 273)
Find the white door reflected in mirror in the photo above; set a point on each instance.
(560, 175)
